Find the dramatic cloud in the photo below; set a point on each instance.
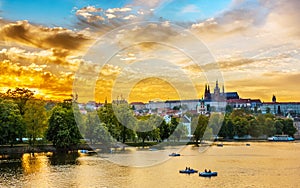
(255, 44)
(49, 71)
(24, 33)
(88, 13)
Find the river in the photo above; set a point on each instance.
(262, 164)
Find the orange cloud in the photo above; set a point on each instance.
(24, 33)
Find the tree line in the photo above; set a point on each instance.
(243, 122)
(62, 123)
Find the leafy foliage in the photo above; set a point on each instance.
(63, 131)
(10, 122)
(20, 96)
(96, 131)
(35, 119)
(199, 126)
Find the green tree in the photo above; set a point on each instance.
(279, 124)
(143, 134)
(255, 129)
(35, 118)
(289, 128)
(227, 129)
(269, 128)
(10, 122)
(62, 130)
(174, 123)
(20, 96)
(198, 127)
(215, 122)
(155, 135)
(164, 130)
(126, 119)
(107, 116)
(147, 128)
(241, 126)
(228, 109)
(180, 131)
(97, 131)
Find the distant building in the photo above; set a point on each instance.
(202, 108)
(217, 95)
(215, 101)
(120, 101)
(281, 108)
(138, 105)
(239, 103)
(297, 126)
(187, 121)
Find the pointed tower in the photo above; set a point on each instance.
(205, 92)
(274, 99)
(216, 96)
(208, 93)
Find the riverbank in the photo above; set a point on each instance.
(24, 148)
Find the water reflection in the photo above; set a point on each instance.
(32, 163)
(64, 158)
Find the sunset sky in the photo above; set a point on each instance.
(150, 50)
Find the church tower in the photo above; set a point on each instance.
(274, 99)
(207, 95)
(216, 96)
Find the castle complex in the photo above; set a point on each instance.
(217, 102)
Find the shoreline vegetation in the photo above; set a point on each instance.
(31, 125)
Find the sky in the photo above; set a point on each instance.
(150, 50)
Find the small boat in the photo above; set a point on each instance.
(281, 138)
(83, 151)
(208, 174)
(247, 144)
(188, 171)
(174, 154)
(89, 152)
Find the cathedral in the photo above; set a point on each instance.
(218, 95)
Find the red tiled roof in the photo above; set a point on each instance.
(238, 100)
(256, 100)
(137, 103)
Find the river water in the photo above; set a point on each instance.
(262, 164)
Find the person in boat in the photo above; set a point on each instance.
(209, 171)
(186, 168)
(205, 170)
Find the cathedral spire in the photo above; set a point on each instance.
(274, 99)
